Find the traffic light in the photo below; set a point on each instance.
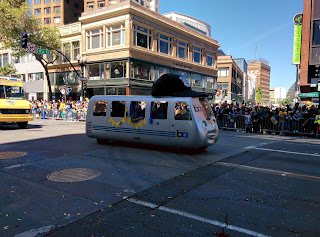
(85, 85)
(24, 40)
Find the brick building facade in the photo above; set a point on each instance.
(57, 12)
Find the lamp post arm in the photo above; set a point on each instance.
(59, 53)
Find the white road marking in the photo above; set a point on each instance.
(198, 218)
(35, 232)
(289, 152)
(15, 166)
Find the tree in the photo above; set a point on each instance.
(8, 71)
(286, 101)
(259, 95)
(16, 17)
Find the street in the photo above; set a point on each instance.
(55, 181)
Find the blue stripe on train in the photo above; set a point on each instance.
(136, 131)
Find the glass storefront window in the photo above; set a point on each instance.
(160, 71)
(118, 69)
(96, 71)
(196, 80)
(67, 52)
(141, 71)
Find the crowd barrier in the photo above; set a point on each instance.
(67, 115)
(269, 125)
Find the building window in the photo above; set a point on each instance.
(76, 50)
(56, 0)
(197, 55)
(182, 50)
(5, 59)
(67, 52)
(37, 11)
(47, 10)
(37, 2)
(56, 9)
(90, 5)
(94, 39)
(118, 69)
(196, 80)
(57, 20)
(142, 37)
(101, 4)
(115, 35)
(210, 59)
(46, 1)
(164, 44)
(316, 33)
(257, 71)
(223, 72)
(47, 21)
(76, 5)
(140, 71)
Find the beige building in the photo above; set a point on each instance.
(128, 46)
(230, 79)
(57, 12)
(260, 70)
(90, 5)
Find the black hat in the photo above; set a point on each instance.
(174, 85)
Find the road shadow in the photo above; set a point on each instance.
(15, 126)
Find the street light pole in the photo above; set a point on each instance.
(82, 64)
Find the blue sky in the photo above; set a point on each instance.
(241, 25)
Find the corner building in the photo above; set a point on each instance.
(129, 46)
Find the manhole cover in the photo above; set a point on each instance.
(74, 175)
(11, 154)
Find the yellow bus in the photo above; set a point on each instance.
(13, 106)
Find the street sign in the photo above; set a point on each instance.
(83, 78)
(43, 51)
(31, 48)
(311, 94)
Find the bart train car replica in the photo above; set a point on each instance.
(184, 119)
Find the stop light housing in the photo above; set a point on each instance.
(24, 40)
(85, 85)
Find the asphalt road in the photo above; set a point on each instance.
(245, 185)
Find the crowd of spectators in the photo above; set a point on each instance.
(69, 110)
(295, 118)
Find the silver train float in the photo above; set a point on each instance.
(174, 116)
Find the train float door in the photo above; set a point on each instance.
(159, 123)
(182, 123)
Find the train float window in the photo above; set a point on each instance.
(137, 110)
(159, 109)
(206, 108)
(100, 108)
(182, 111)
(118, 108)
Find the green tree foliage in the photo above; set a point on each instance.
(259, 95)
(8, 71)
(16, 17)
(285, 101)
